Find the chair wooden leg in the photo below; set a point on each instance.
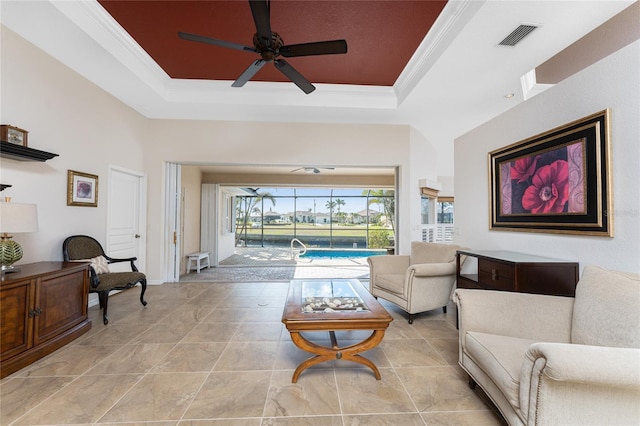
(103, 296)
(143, 284)
(472, 383)
(411, 318)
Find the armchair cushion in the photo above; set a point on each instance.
(605, 300)
(119, 280)
(391, 282)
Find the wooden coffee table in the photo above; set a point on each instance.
(331, 305)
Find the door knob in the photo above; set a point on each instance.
(137, 235)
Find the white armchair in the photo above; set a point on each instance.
(418, 282)
(550, 360)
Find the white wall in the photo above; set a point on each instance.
(279, 144)
(613, 83)
(69, 116)
(191, 181)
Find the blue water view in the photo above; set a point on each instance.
(340, 254)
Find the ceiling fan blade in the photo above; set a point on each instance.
(214, 41)
(331, 47)
(261, 17)
(248, 73)
(297, 78)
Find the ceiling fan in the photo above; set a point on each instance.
(270, 47)
(315, 170)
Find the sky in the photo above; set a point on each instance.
(316, 198)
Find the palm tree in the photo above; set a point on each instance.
(339, 203)
(386, 199)
(330, 205)
(245, 206)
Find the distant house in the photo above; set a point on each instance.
(308, 217)
(275, 217)
(323, 218)
(361, 216)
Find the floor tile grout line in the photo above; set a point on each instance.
(273, 371)
(98, 418)
(45, 399)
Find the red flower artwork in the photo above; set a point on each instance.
(549, 191)
(523, 168)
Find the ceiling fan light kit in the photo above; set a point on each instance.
(269, 45)
(314, 170)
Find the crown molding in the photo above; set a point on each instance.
(455, 15)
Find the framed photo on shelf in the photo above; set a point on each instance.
(556, 182)
(13, 135)
(82, 189)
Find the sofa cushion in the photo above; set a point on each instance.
(422, 252)
(605, 311)
(393, 283)
(501, 358)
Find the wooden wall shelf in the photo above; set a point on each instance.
(23, 153)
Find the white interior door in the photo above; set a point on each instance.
(126, 217)
(173, 237)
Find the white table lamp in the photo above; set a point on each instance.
(15, 218)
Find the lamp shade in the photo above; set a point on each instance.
(18, 217)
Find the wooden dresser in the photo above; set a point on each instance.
(42, 308)
(511, 271)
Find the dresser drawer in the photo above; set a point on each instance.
(496, 275)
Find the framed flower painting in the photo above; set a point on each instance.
(558, 181)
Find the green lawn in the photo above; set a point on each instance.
(310, 230)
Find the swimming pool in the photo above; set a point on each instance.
(340, 254)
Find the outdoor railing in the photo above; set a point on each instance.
(300, 251)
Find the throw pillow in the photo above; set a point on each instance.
(98, 263)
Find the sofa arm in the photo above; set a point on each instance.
(433, 269)
(579, 384)
(390, 264)
(527, 316)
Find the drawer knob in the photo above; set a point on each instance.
(494, 274)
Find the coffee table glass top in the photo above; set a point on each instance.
(330, 296)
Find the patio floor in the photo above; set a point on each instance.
(275, 264)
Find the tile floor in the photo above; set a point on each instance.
(275, 264)
(204, 353)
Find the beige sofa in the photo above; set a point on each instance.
(546, 360)
(418, 282)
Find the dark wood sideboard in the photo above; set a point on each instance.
(42, 308)
(519, 272)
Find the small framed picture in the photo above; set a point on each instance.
(13, 135)
(82, 189)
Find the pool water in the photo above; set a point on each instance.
(340, 254)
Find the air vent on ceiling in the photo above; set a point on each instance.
(517, 35)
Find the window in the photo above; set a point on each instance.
(444, 206)
(319, 217)
(424, 210)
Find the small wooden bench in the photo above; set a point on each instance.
(198, 260)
